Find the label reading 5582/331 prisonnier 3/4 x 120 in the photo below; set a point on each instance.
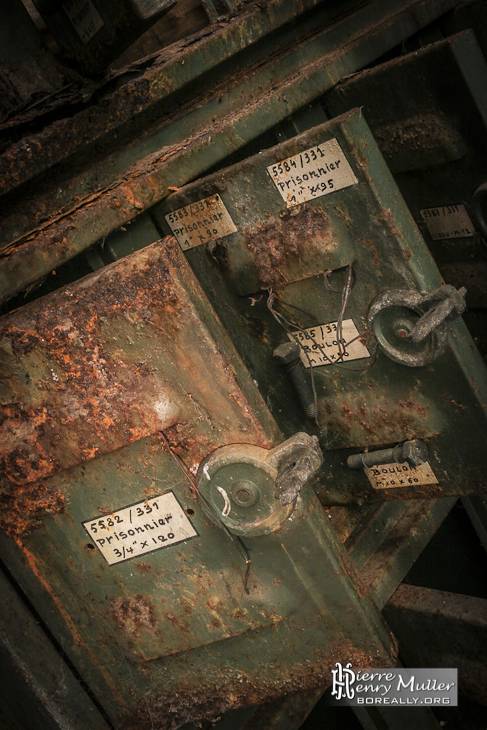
(312, 173)
(140, 528)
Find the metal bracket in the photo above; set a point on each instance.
(445, 305)
(412, 327)
(253, 490)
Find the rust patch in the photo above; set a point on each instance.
(133, 613)
(143, 567)
(370, 244)
(409, 405)
(386, 217)
(22, 507)
(266, 242)
(118, 356)
(186, 443)
(293, 242)
(257, 327)
(357, 423)
(48, 587)
(218, 251)
(212, 694)
(180, 625)
(344, 520)
(73, 393)
(419, 141)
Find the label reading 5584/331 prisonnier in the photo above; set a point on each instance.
(320, 344)
(392, 476)
(312, 173)
(200, 222)
(140, 528)
(448, 221)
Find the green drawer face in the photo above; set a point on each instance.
(432, 133)
(387, 390)
(172, 601)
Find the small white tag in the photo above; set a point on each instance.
(312, 173)
(320, 343)
(85, 18)
(388, 476)
(448, 221)
(201, 222)
(141, 528)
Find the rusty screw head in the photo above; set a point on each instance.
(402, 328)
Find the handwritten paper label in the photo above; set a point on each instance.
(448, 221)
(85, 18)
(320, 344)
(201, 222)
(139, 529)
(312, 173)
(389, 476)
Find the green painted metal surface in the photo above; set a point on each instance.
(383, 540)
(374, 401)
(194, 133)
(385, 562)
(432, 136)
(88, 427)
(164, 624)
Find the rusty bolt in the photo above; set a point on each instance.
(414, 452)
(288, 355)
(402, 328)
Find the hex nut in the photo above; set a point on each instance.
(415, 452)
(287, 353)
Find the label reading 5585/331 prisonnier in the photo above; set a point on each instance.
(140, 528)
(312, 173)
(448, 221)
(392, 476)
(320, 344)
(200, 222)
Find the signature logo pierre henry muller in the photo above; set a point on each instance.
(397, 686)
